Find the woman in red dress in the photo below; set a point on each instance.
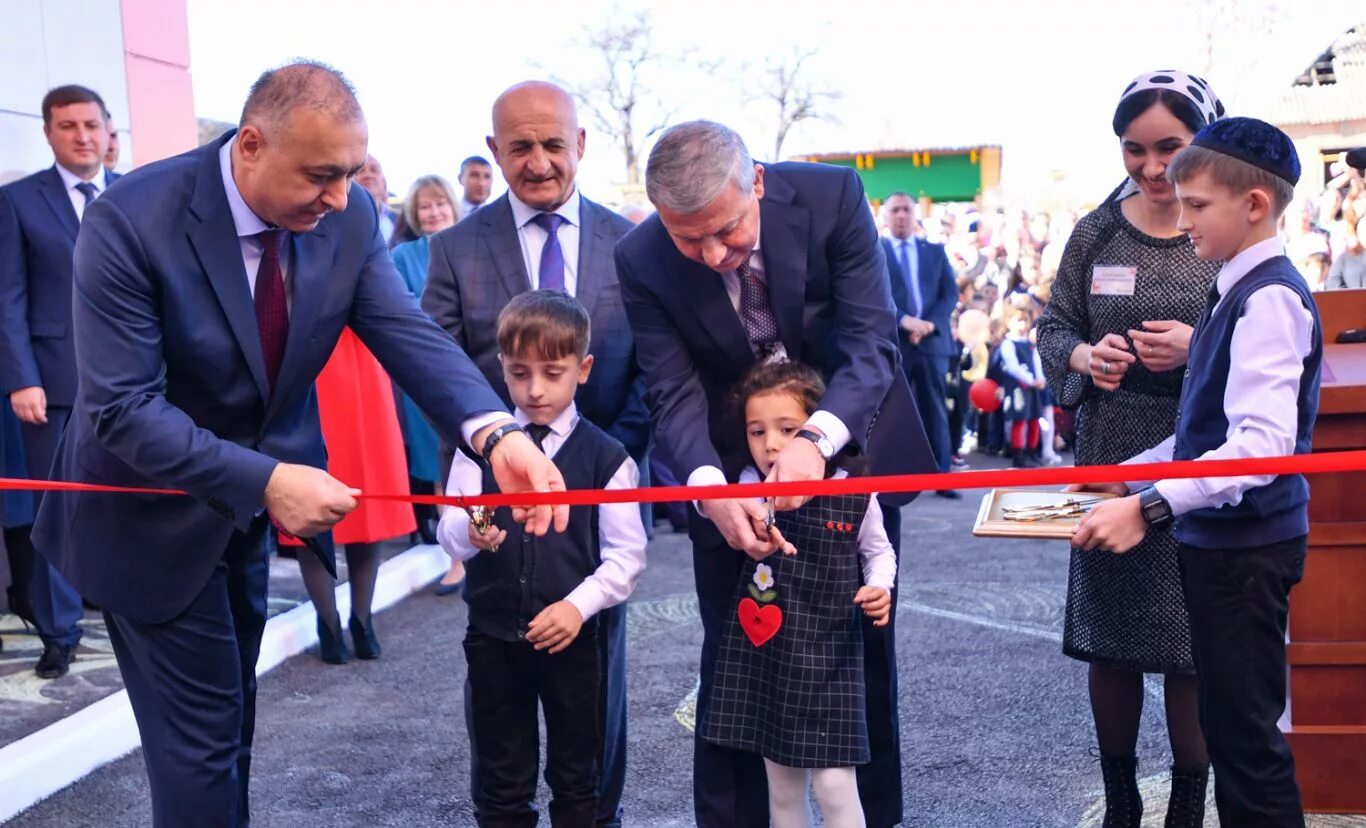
(364, 450)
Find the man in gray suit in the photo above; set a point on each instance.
(544, 235)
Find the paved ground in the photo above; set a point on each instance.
(994, 719)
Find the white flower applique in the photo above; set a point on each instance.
(763, 576)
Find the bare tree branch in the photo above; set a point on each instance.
(796, 98)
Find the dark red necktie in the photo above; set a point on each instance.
(272, 313)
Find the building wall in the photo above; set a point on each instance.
(134, 53)
(1312, 141)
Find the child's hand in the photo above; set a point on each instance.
(555, 627)
(876, 603)
(487, 542)
(1040, 384)
(1116, 525)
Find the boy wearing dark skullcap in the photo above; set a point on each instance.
(1251, 390)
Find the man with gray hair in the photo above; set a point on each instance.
(210, 289)
(746, 262)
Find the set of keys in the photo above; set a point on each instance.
(1068, 509)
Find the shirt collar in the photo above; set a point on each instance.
(560, 426)
(70, 179)
(521, 213)
(1239, 266)
(246, 222)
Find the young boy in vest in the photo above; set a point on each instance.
(1251, 390)
(532, 601)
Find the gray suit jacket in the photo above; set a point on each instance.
(477, 267)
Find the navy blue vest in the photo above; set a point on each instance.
(1279, 510)
(506, 589)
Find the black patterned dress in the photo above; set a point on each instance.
(797, 698)
(1123, 610)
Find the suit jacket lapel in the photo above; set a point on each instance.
(309, 265)
(593, 244)
(505, 246)
(215, 241)
(714, 309)
(54, 191)
(784, 232)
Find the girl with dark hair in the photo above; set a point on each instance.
(789, 681)
(1113, 343)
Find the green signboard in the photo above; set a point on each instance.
(943, 175)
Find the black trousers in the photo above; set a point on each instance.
(1239, 603)
(507, 681)
(192, 685)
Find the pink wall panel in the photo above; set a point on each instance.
(162, 105)
(157, 29)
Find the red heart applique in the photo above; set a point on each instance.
(759, 623)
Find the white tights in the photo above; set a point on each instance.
(836, 793)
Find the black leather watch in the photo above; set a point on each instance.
(1155, 508)
(823, 444)
(496, 437)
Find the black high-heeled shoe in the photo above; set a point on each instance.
(331, 645)
(363, 639)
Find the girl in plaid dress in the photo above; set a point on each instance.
(789, 677)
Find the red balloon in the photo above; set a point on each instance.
(985, 395)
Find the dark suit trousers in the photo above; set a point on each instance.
(57, 608)
(192, 684)
(508, 680)
(730, 787)
(1239, 602)
(926, 372)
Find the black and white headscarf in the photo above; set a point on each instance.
(1192, 88)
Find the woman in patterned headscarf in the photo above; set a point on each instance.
(1113, 343)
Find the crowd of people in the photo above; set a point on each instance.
(255, 331)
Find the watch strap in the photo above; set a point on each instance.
(497, 436)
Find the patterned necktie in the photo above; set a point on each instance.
(552, 255)
(912, 305)
(756, 312)
(538, 433)
(272, 312)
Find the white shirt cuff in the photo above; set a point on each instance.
(472, 425)
(705, 476)
(834, 429)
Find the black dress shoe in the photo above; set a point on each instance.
(949, 494)
(363, 639)
(56, 661)
(331, 645)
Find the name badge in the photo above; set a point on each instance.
(1113, 280)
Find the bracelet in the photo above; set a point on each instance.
(496, 437)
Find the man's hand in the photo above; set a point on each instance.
(555, 627)
(488, 542)
(30, 405)
(1115, 525)
(916, 329)
(741, 523)
(799, 461)
(1110, 358)
(1163, 345)
(519, 466)
(876, 603)
(307, 501)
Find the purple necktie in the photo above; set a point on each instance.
(552, 255)
(272, 312)
(756, 312)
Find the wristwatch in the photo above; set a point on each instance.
(496, 437)
(1155, 508)
(823, 444)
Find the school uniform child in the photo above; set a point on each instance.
(531, 638)
(1022, 384)
(789, 678)
(1251, 390)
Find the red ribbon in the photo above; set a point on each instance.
(1324, 463)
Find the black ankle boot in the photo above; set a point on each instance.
(1123, 805)
(1186, 806)
(331, 645)
(363, 639)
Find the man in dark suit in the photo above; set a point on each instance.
(925, 293)
(39, 218)
(210, 289)
(745, 262)
(543, 234)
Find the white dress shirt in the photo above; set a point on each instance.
(831, 426)
(533, 239)
(876, 555)
(1010, 360)
(621, 534)
(70, 180)
(1261, 397)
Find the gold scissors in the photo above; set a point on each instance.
(1071, 508)
(481, 518)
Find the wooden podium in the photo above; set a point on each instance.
(1327, 653)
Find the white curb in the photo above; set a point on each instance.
(42, 763)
